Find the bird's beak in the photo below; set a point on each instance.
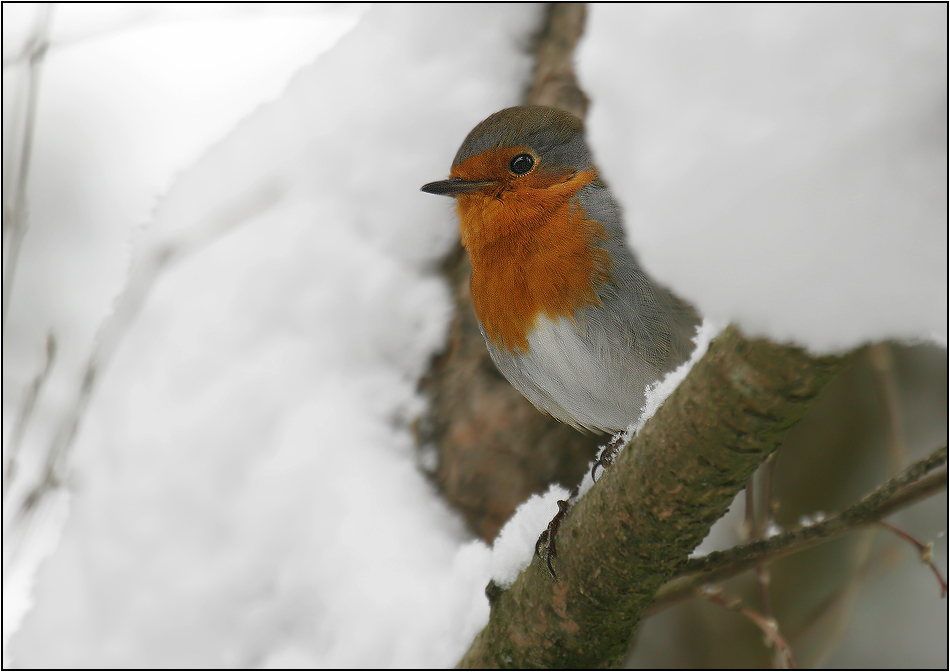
(453, 187)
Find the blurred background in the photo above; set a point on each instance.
(220, 291)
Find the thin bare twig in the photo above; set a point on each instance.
(145, 272)
(16, 169)
(759, 519)
(924, 550)
(767, 624)
(754, 525)
(102, 30)
(762, 520)
(26, 413)
(915, 483)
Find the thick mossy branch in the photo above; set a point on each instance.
(636, 527)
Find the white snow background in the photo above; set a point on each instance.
(783, 167)
(244, 487)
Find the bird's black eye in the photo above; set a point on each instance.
(521, 164)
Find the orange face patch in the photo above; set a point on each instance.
(531, 245)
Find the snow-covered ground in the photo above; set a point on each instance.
(244, 488)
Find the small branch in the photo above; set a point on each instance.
(26, 412)
(16, 169)
(765, 623)
(924, 550)
(915, 483)
(756, 523)
(102, 30)
(146, 270)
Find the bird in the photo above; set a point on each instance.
(568, 314)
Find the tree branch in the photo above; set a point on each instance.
(763, 622)
(925, 551)
(17, 160)
(635, 528)
(912, 485)
(553, 82)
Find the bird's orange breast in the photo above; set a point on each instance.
(533, 252)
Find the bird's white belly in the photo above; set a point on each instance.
(579, 379)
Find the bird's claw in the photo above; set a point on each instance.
(608, 454)
(546, 541)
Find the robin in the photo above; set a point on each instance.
(568, 315)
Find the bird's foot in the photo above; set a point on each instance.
(546, 546)
(608, 454)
